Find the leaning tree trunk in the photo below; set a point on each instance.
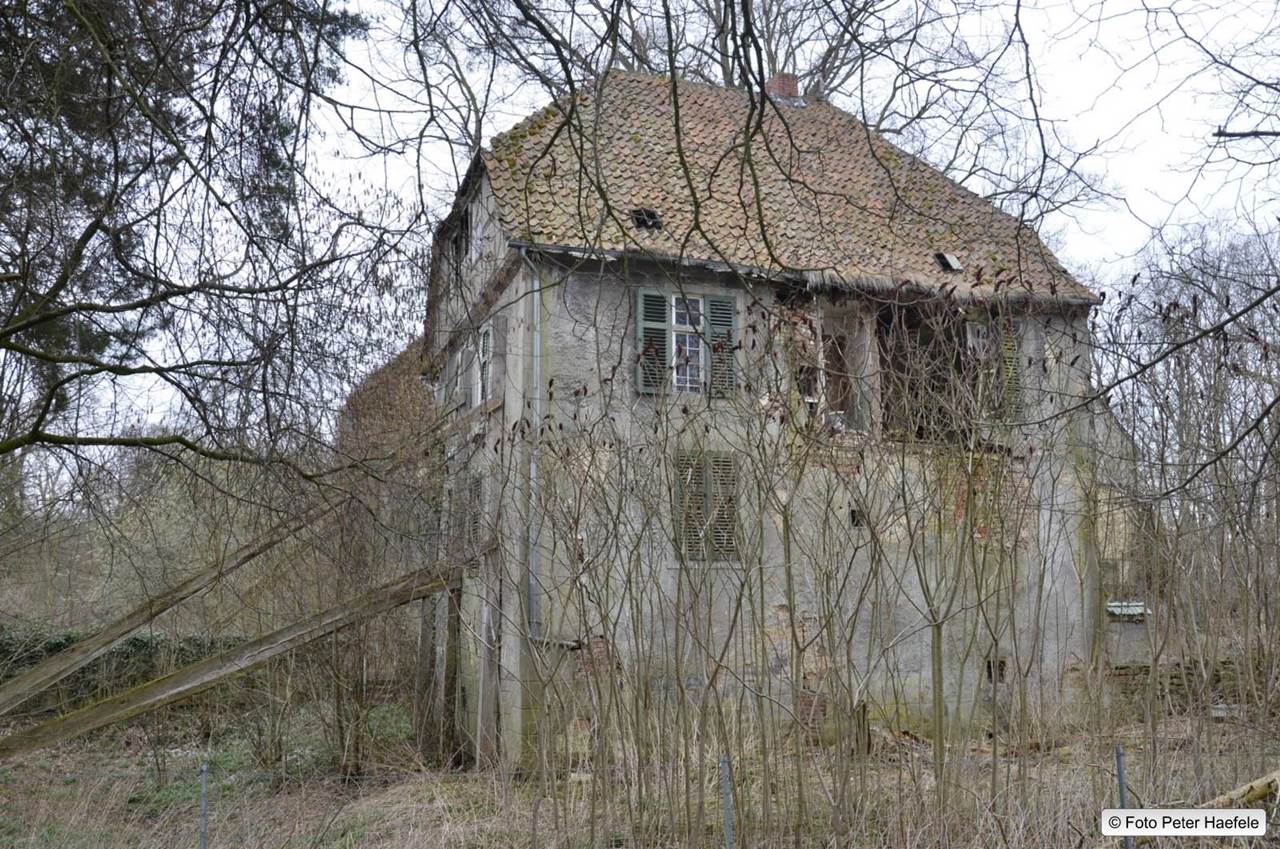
(53, 669)
(198, 677)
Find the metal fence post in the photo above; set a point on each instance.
(726, 801)
(204, 805)
(1124, 789)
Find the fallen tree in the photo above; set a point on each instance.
(198, 677)
(1258, 790)
(53, 669)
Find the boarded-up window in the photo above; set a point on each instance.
(705, 509)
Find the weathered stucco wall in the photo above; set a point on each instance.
(994, 546)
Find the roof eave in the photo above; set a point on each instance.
(814, 281)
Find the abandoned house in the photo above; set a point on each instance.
(746, 402)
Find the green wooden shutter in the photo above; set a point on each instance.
(653, 341)
(722, 506)
(1010, 373)
(485, 363)
(722, 336)
(705, 509)
(689, 510)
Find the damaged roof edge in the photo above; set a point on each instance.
(814, 281)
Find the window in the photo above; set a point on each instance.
(475, 510)
(686, 340)
(943, 373)
(484, 364)
(461, 392)
(705, 512)
(685, 343)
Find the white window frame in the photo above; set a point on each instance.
(681, 333)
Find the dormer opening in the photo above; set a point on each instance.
(948, 262)
(646, 219)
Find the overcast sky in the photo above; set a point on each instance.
(1155, 119)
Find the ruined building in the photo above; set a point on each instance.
(749, 407)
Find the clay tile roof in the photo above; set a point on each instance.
(792, 189)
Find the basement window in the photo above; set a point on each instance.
(646, 219)
(1127, 611)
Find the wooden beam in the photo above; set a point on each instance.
(208, 673)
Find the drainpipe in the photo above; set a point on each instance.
(533, 613)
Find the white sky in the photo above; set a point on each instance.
(1153, 120)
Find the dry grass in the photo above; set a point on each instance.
(106, 793)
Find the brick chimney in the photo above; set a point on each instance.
(783, 85)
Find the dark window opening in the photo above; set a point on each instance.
(945, 375)
(807, 384)
(461, 240)
(948, 262)
(856, 518)
(996, 669)
(830, 375)
(646, 219)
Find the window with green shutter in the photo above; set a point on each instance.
(722, 336)
(705, 512)
(993, 345)
(653, 341)
(942, 375)
(686, 343)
